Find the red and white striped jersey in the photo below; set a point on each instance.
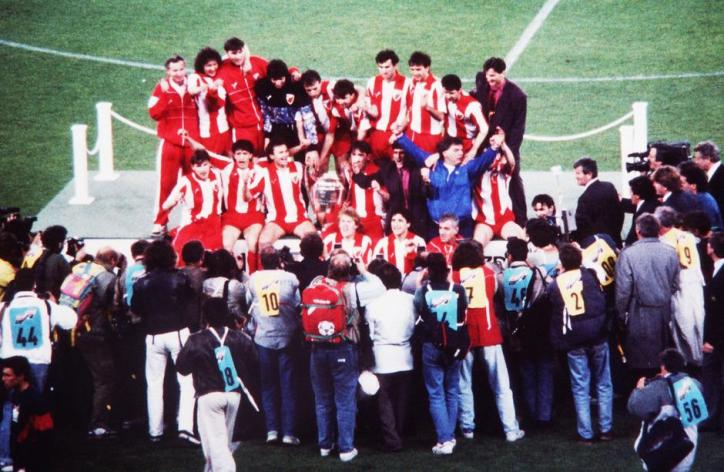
(366, 201)
(390, 98)
(282, 192)
(421, 120)
(491, 197)
(400, 253)
(322, 104)
(232, 178)
(200, 198)
(211, 106)
(360, 247)
(465, 118)
(343, 118)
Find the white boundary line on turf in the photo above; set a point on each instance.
(530, 80)
(512, 57)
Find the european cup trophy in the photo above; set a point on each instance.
(327, 192)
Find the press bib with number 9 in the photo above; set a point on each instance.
(685, 246)
(226, 367)
(26, 328)
(269, 294)
(690, 402)
(571, 286)
(601, 258)
(473, 280)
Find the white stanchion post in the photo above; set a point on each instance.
(627, 133)
(641, 126)
(105, 143)
(80, 165)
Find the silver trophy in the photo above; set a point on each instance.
(327, 192)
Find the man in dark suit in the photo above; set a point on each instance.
(643, 200)
(706, 156)
(504, 106)
(713, 367)
(599, 203)
(667, 182)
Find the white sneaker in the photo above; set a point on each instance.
(272, 436)
(186, 436)
(468, 433)
(324, 452)
(348, 456)
(444, 449)
(291, 440)
(513, 436)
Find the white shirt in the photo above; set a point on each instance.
(391, 318)
(712, 169)
(717, 266)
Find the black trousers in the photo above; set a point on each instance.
(98, 356)
(392, 401)
(517, 196)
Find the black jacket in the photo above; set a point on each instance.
(198, 358)
(586, 329)
(714, 302)
(681, 201)
(599, 204)
(160, 298)
(648, 206)
(509, 113)
(716, 188)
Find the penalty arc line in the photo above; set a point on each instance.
(512, 57)
(532, 80)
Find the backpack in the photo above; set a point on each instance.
(447, 334)
(76, 291)
(324, 311)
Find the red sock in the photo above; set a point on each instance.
(251, 262)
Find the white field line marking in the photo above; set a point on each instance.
(530, 80)
(512, 57)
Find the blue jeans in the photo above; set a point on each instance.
(277, 383)
(536, 374)
(582, 363)
(442, 381)
(499, 383)
(334, 372)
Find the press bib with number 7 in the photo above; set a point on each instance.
(26, 327)
(473, 280)
(269, 294)
(570, 284)
(690, 402)
(601, 258)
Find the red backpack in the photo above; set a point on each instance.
(324, 313)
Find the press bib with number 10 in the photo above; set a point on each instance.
(690, 402)
(473, 280)
(269, 292)
(571, 286)
(601, 258)
(227, 368)
(26, 327)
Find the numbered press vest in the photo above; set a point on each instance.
(268, 289)
(479, 285)
(601, 257)
(516, 283)
(685, 245)
(689, 401)
(225, 363)
(444, 306)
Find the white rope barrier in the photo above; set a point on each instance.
(585, 134)
(133, 124)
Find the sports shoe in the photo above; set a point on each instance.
(468, 433)
(348, 456)
(291, 440)
(444, 449)
(513, 436)
(324, 452)
(100, 433)
(272, 436)
(156, 438)
(607, 436)
(6, 466)
(186, 436)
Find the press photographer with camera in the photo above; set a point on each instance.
(657, 154)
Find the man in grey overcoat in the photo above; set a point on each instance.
(647, 275)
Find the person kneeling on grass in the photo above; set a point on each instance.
(217, 359)
(578, 321)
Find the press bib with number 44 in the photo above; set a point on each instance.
(690, 402)
(570, 284)
(269, 292)
(602, 259)
(26, 327)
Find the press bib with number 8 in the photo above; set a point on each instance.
(473, 280)
(227, 368)
(26, 328)
(571, 287)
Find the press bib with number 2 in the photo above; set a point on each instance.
(571, 286)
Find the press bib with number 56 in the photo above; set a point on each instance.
(570, 284)
(267, 287)
(26, 327)
(473, 280)
(690, 402)
(602, 259)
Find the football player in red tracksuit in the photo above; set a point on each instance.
(200, 192)
(448, 240)
(281, 182)
(175, 111)
(400, 247)
(465, 119)
(243, 214)
(366, 193)
(208, 89)
(426, 104)
(385, 104)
